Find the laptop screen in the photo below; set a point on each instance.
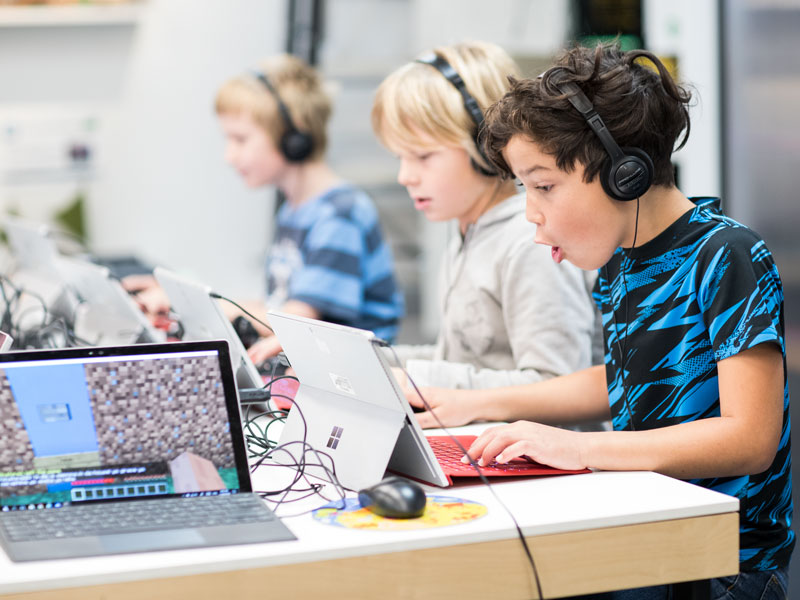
(89, 425)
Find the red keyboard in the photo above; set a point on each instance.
(449, 456)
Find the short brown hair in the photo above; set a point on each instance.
(301, 89)
(641, 108)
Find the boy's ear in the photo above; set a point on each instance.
(629, 176)
(627, 173)
(295, 145)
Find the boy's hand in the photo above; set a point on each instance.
(263, 349)
(138, 283)
(559, 448)
(150, 296)
(452, 407)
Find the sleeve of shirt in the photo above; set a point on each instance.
(741, 296)
(331, 277)
(406, 352)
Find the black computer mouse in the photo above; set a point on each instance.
(395, 498)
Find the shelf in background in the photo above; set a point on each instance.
(70, 15)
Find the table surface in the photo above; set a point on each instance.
(542, 506)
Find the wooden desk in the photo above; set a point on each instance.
(588, 533)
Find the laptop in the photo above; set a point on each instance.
(202, 318)
(124, 449)
(32, 246)
(352, 409)
(36, 272)
(106, 314)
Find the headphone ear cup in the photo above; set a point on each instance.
(296, 146)
(628, 177)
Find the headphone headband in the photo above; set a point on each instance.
(470, 103)
(446, 69)
(579, 100)
(627, 172)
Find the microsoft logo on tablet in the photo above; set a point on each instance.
(336, 435)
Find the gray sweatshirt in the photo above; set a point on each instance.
(509, 313)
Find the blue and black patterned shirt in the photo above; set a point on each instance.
(330, 253)
(702, 291)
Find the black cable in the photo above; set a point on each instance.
(269, 449)
(7, 323)
(623, 357)
(241, 308)
(473, 464)
(41, 336)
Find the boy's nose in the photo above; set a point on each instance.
(532, 212)
(229, 154)
(406, 175)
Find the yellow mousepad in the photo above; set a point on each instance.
(440, 511)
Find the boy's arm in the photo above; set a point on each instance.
(256, 308)
(742, 440)
(269, 346)
(408, 352)
(580, 396)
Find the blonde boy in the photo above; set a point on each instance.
(508, 313)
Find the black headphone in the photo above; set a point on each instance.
(295, 145)
(470, 104)
(627, 172)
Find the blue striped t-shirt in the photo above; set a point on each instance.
(330, 253)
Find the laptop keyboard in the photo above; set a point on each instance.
(449, 456)
(135, 516)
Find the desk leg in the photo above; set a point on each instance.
(693, 590)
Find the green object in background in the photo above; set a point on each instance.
(626, 42)
(71, 217)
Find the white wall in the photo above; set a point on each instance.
(62, 72)
(166, 193)
(522, 27)
(689, 31)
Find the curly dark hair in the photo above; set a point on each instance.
(640, 107)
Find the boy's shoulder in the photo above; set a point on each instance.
(348, 202)
(712, 228)
(343, 202)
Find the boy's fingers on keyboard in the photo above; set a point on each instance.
(493, 442)
(509, 453)
(475, 450)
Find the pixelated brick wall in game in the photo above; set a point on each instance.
(172, 405)
(15, 445)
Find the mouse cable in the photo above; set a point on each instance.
(300, 467)
(301, 464)
(473, 464)
(268, 450)
(241, 308)
(327, 467)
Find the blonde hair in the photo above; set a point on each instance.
(417, 100)
(299, 86)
